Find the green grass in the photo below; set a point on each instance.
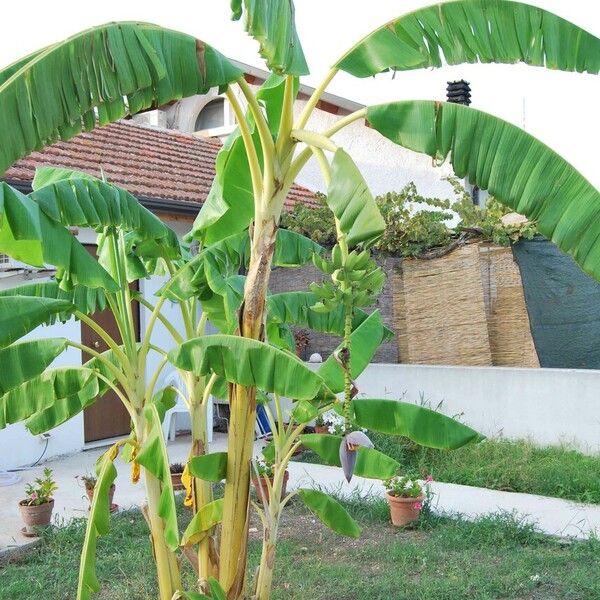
(441, 559)
(500, 465)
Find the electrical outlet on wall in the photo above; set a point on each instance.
(44, 436)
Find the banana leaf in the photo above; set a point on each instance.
(97, 524)
(516, 168)
(99, 76)
(365, 340)
(250, 363)
(470, 31)
(28, 235)
(422, 425)
(271, 23)
(229, 207)
(204, 520)
(294, 308)
(36, 395)
(352, 203)
(84, 299)
(77, 199)
(154, 458)
(330, 512)
(26, 360)
(210, 467)
(21, 314)
(369, 462)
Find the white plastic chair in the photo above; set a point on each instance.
(170, 420)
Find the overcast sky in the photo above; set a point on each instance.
(562, 109)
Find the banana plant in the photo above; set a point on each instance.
(102, 74)
(132, 243)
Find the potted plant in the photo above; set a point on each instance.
(330, 422)
(89, 484)
(320, 426)
(406, 497)
(264, 472)
(36, 508)
(176, 473)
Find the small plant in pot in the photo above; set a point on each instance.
(330, 422)
(176, 473)
(89, 484)
(262, 480)
(36, 508)
(407, 498)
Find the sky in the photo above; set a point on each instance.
(559, 108)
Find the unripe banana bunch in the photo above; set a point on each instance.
(355, 279)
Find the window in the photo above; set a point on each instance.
(211, 116)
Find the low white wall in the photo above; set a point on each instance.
(548, 406)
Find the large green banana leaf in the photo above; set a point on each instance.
(294, 308)
(365, 340)
(251, 363)
(75, 198)
(272, 24)
(87, 300)
(422, 425)
(369, 462)
(330, 512)
(294, 249)
(63, 409)
(26, 360)
(469, 31)
(351, 201)
(28, 235)
(515, 167)
(45, 390)
(100, 75)
(97, 525)
(20, 315)
(210, 467)
(154, 458)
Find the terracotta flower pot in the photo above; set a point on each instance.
(111, 492)
(404, 510)
(261, 484)
(176, 481)
(35, 516)
(321, 428)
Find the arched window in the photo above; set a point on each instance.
(211, 116)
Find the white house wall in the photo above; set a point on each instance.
(385, 166)
(20, 448)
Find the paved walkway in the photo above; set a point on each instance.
(551, 515)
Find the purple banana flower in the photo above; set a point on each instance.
(348, 448)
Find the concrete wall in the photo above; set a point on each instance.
(549, 406)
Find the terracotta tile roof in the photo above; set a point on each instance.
(148, 162)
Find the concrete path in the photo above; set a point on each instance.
(552, 516)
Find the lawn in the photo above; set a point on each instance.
(513, 466)
(441, 559)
